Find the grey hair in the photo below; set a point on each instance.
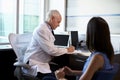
(52, 13)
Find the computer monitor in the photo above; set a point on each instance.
(74, 38)
(61, 40)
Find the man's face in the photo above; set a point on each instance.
(55, 22)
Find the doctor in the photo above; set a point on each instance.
(42, 49)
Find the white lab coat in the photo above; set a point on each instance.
(42, 49)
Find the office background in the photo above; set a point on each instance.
(22, 16)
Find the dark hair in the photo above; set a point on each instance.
(98, 37)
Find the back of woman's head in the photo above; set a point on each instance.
(98, 36)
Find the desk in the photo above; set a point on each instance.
(3, 47)
(83, 53)
(7, 58)
(74, 61)
(77, 60)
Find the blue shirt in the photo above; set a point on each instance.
(106, 66)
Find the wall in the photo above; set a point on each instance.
(115, 39)
(79, 13)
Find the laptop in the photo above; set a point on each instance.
(61, 40)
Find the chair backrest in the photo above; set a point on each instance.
(107, 75)
(19, 43)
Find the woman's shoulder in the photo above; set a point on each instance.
(98, 58)
(99, 54)
(102, 56)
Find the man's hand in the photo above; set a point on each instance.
(71, 49)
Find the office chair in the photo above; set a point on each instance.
(19, 43)
(117, 60)
(105, 75)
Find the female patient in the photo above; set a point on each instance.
(99, 44)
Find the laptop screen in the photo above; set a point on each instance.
(61, 40)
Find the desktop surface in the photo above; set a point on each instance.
(83, 53)
(5, 47)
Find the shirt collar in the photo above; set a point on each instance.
(48, 25)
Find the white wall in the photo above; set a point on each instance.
(115, 39)
(80, 11)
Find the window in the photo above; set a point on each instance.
(18, 16)
(29, 15)
(7, 18)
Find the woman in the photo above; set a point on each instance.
(99, 44)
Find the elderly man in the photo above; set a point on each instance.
(42, 49)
